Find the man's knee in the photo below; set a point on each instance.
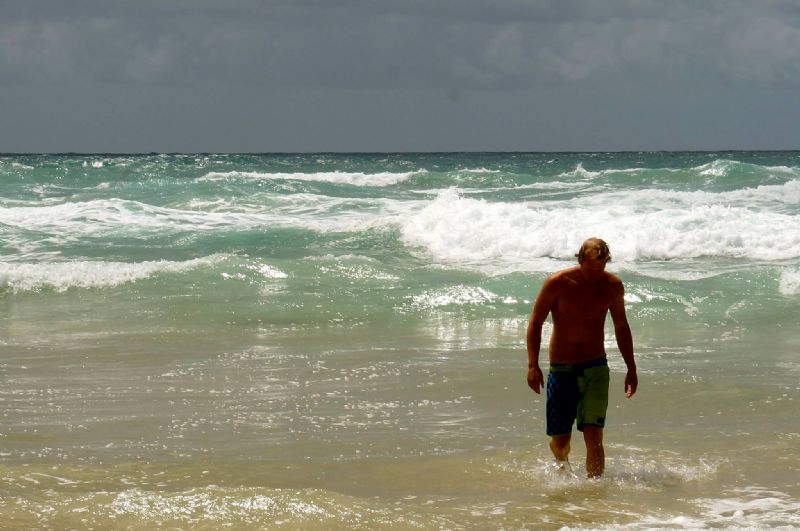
(559, 445)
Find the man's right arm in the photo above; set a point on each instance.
(533, 338)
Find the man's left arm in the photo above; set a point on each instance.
(622, 331)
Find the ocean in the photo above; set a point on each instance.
(336, 341)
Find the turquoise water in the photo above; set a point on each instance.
(336, 340)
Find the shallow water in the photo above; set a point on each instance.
(336, 341)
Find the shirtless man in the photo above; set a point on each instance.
(577, 384)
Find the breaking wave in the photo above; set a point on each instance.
(454, 228)
(61, 276)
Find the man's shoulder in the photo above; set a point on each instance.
(614, 281)
(557, 282)
(560, 276)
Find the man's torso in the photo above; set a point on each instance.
(579, 316)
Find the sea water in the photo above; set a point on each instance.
(332, 341)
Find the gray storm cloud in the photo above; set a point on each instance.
(399, 67)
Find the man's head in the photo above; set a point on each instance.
(592, 257)
(594, 248)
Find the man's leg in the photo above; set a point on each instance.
(559, 445)
(595, 454)
(591, 417)
(562, 405)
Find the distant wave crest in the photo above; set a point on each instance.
(335, 177)
(724, 167)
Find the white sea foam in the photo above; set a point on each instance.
(787, 193)
(456, 296)
(723, 167)
(458, 229)
(6, 202)
(117, 216)
(767, 197)
(756, 223)
(265, 270)
(61, 276)
(749, 508)
(717, 168)
(97, 216)
(259, 508)
(580, 173)
(268, 271)
(478, 170)
(336, 177)
(551, 185)
(656, 271)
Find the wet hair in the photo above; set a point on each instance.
(594, 248)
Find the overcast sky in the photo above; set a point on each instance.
(398, 75)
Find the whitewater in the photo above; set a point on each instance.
(337, 340)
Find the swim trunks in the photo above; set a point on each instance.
(576, 391)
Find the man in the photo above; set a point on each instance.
(577, 384)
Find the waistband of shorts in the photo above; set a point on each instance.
(578, 367)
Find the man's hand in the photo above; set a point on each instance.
(631, 383)
(535, 379)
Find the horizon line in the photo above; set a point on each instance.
(323, 152)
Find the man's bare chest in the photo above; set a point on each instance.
(584, 301)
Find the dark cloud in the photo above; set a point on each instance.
(400, 74)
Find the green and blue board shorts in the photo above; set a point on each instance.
(577, 392)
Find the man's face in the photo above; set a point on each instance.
(593, 268)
